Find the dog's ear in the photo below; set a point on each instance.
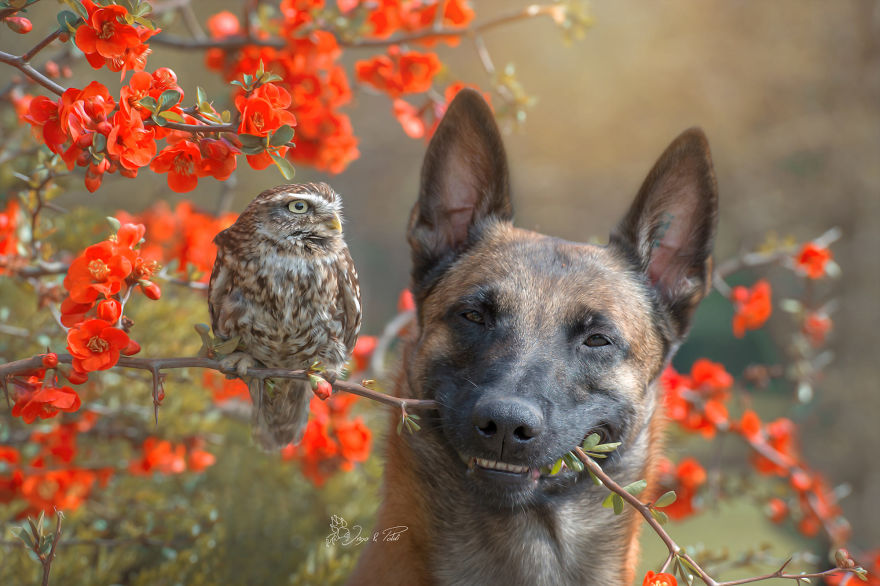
(464, 184)
(670, 228)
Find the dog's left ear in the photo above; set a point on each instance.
(670, 227)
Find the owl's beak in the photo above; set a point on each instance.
(334, 224)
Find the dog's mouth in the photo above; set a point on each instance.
(507, 471)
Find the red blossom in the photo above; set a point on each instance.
(95, 345)
(753, 307)
(662, 579)
(44, 402)
(223, 24)
(815, 327)
(159, 456)
(812, 260)
(183, 163)
(100, 270)
(363, 351)
(19, 24)
(8, 228)
(399, 73)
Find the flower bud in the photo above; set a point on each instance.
(151, 290)
(132, 348)
(50, 360)
(19, 24)
(109, 310)
(76, 377)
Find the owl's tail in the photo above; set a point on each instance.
(281, 413)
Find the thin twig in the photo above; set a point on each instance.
(675, 550)
(155, 365)
(23, 66)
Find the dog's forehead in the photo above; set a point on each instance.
(552, 278)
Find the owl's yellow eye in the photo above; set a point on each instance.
(299, 206)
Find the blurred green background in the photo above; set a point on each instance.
(788, 93)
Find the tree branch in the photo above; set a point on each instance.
(156, 365)
(675, 550)
(22, 65)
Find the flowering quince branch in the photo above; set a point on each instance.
(676, 553)
(156, 365)
(42, 545)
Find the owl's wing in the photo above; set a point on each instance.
(348, 299)
(219, 293)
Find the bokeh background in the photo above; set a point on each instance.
(788, 93)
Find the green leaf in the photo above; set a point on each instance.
(556, 467)
(660, 516)
(158, 119)
(573, 463)
(281, 136)
(591, 442)
(604, 448)
(636, 488)
(226, 116)
(609, 500)
(171, 115)
(618, 504)
(238, 83)
(99, 142)
(400, 427)
(226, 346)
(68, 21)
(285, 166)
(252, 140)
(149, 102)
(595, 478)
(253, 150)
(201, 98)
(25, 535)
(270, 77)
(666, 499)
(168, 99)
(114, 223)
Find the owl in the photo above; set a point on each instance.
(284, 284)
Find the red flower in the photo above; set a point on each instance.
(104, 34)
(223, 389)
(753, 307)
(354, 440)
(130, 142)
(410, 118)
(218, 158)
(183, 163)
(685, 480)
(816, 327)
(199, 460)
(397, 74)
(223, 24)
(159, 456)
(750, 426)
(363, 350)
(95, 345)
(8, 227)
(109, 310)
(812, 260)
(99, 270)
(710, 377)
(781, 438)
(405, 301)
(8, 454)
(45, 402)
(664, 579)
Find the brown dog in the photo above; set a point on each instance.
(528, 344)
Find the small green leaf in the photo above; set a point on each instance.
(114, 223)
(591, 442)
(595, 478)
(618, 504)
(148, 102)
(99, 142)
(573, 463)
(253, 150)
(270, 77)
(171, 115)
(285, 166)
(201, 97)
(281, 136)
(226, 346)
(226, 116)
(168, 99)
(400, 427)
(636, 487)
(604, 448)
(660, 516)
(68, 20)
(556, 467)
(666, 499)
(238, 83)
(158, 119)
(252, 140)
(608, 502)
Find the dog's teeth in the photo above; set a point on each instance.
(493, 465)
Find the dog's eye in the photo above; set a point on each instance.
(474, 316)
(596, 340)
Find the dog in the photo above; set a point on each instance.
(528, 344)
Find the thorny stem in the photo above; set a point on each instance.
(238, 42)
(156, 365)
(758, 259)
(675, 550)
(46, 560)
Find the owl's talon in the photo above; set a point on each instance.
(240, 362)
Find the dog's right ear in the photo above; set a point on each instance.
(464, 184)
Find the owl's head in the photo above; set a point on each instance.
(309, 213)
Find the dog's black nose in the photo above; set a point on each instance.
(506, 423)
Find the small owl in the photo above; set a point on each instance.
(285, 285)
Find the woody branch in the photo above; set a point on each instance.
(675, 550)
